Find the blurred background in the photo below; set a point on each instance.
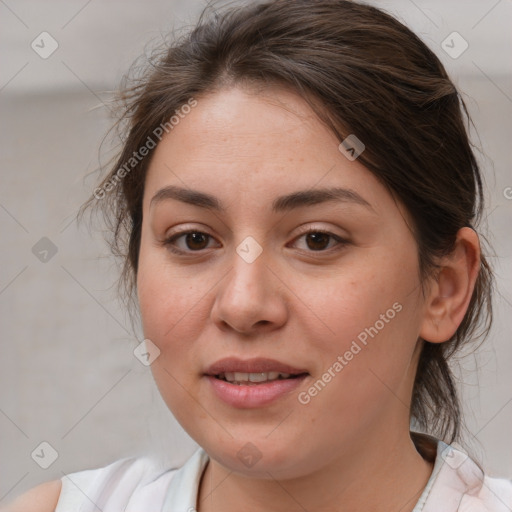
(68, 375)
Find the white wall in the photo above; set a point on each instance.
(67, 372)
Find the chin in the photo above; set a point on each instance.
(259, 458)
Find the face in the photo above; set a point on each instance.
(275, 276)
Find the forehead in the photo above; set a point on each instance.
(253, 146)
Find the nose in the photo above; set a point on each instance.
(250, 298)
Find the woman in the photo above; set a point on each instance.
(296, 199)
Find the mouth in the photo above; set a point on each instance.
(254, 382)
(252, 371)
(252, 379)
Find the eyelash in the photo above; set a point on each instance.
(168, 242)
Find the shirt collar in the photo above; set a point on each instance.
(455, 476)
(183, 489)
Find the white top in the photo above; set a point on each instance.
(141, 484)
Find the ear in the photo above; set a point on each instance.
(450, 293)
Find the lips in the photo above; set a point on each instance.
(256, 365)
(253, 383)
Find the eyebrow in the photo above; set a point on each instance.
(284, 203)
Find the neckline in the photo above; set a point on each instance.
(426, 452)
(183, 491)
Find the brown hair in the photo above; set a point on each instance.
(364, 73)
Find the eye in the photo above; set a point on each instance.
(318, 240)
(194, 241)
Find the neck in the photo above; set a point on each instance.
(385, 474)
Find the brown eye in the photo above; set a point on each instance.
(193, 241)
(320, 241)
(317, 240)
(196, 240)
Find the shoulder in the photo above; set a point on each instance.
(42, 498)
(125, 481)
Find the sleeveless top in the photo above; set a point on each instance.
(137, 484)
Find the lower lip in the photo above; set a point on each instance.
(255, 395)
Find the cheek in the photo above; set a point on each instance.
(167, 299)
(371, 321)
(170, 309)
(170, 313)
(349, 305)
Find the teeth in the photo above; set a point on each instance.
(253, 377)
(262, 377)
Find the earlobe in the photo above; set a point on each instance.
(451, 291)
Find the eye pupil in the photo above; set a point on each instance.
(318, 237)
(195, 237)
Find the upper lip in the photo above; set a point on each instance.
(255, 365)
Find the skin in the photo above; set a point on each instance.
(349, 448)
(42, 498)
(350, 444)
